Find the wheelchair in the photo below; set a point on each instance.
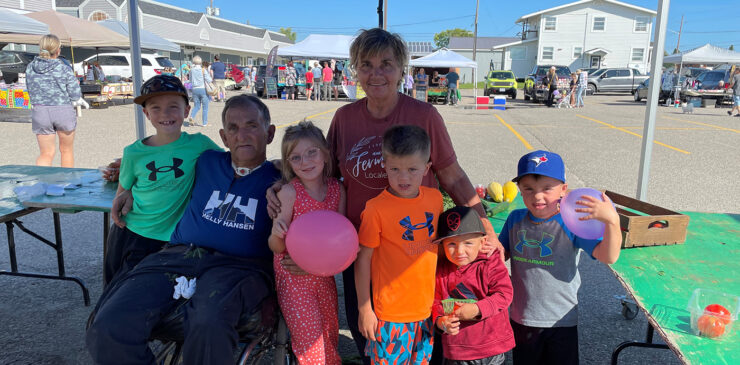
(261, 334)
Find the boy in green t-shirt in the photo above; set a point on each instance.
(159, 170)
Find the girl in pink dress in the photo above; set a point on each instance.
(308, 302)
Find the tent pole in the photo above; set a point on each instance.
(72, 49)
(133, 26)
(652, 100)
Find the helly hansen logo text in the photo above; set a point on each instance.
(232, 211)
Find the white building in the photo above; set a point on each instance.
(582, 34)
(486, 56)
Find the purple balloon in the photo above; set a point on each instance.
(589, 229)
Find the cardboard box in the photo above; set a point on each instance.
(645, 224)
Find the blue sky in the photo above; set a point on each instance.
(418, 20)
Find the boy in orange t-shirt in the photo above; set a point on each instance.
(397, 254)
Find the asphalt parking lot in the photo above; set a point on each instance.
(694, 168)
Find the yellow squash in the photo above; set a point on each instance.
(510, 191)
(496, 192)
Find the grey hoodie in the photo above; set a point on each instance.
(51, 82)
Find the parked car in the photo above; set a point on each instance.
(259, 84)
(641, 92)
(120, 64)
(14, 62)
(709, 80)
(616, 79)
(500, 82)
(533, 87)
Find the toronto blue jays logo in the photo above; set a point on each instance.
(408, 235)
(176, 162)
(540, 159)
(543, 243)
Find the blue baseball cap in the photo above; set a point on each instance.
(543, 163)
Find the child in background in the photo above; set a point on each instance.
(397, 254)
(544, 261)
(308, 302)
(476, 333)
(159, 171)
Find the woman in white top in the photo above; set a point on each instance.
(198, 78)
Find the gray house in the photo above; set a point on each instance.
(486, 57)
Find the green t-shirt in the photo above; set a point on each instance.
(160, 179)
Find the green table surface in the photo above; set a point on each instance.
(94, 194)
(662, 279)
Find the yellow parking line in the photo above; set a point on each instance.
(704, 124)
(307, 118)
(632, 133)
(524, 141)
(668, 128)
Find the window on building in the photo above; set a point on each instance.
(547, 53)
(518, 53)
(638, 54)
(98, 15)
(577, 52)
(599, 24)
(551, 23)
(641, 24)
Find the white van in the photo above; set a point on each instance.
(120, 64)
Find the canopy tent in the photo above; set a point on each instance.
(12, 22)
(319, 46)
(443, 58)
(706, 54)
(71, 32)
(149, 40)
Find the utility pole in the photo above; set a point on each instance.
(380, 14)
(385, 14)
(680, 28)
(475, 48)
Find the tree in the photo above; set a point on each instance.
(442, 39)
(288, 32)
(732, 47)
(665, 53)
(675, 50)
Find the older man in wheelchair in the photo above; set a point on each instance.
(212, 286)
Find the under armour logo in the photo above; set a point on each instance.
(543, 243)
(408, 235)
(176, 162)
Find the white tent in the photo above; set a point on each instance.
(12, 22)
(148, 39)
(443, 58)
(707, 54)
(319, 46)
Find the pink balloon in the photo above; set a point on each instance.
(589, 229)
(322, 242)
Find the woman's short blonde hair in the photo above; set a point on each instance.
(49, 45)
(372, 42)
(197, 60)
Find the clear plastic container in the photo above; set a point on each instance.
(713, 324)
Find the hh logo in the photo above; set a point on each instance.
(408, 235)
(543, 243)
(230, 209)
(176, 162)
